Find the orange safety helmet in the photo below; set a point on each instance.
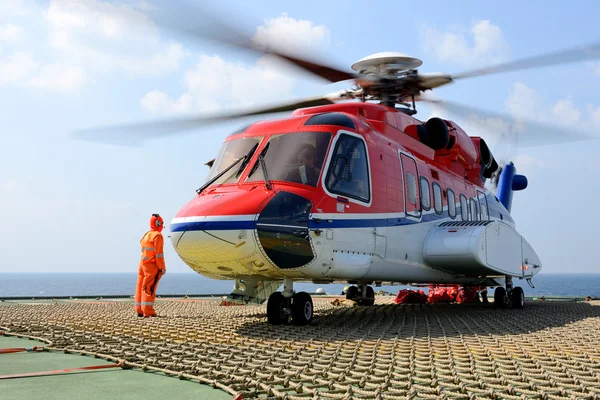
(156, 222)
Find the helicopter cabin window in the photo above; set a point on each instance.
(474, 213)
(483, 206)
(451, 204)
(234, 155)
(437, 198)
(292, 157)
(425, 195)
(464, 211)
(348, 173)
(412, 188)
(484, 213)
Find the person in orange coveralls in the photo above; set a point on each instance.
(151, 269)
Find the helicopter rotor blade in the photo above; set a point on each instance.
(199, 23)
(509, 130)
(580, 53)
(134, 134)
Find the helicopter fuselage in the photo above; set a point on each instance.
(352, 193)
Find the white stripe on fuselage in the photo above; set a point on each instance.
(217, 218)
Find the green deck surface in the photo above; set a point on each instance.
(109, 384)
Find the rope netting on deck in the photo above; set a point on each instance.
(548, 350)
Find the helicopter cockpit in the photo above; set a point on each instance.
(293, 157)
(300, 158)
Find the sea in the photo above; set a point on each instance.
(107, 284)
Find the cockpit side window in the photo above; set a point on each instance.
(348, 173)
(231, 151)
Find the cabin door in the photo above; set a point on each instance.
(412, 202)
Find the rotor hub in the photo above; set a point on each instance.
(386, 64)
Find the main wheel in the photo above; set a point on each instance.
(276, 314)
(518, 297)
(302, 309)
(500, 297)
(352, 293)
(370, 300)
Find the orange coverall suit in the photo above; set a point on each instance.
(151, 269)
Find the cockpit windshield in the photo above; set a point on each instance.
(293, 157)
(230, 152)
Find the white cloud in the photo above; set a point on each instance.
(10, 32)
(58, 77)
(14, 7)
(483, 43)
(92, 17)
(524, 102)
(159, 103)
(110, 36)
(17, 68)
(86, 38)
(214, 82)
(594, 114)
(22, 69)
(291, 35)
(566, 111)
(8, 186)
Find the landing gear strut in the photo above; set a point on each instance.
(363, 295)
(509, 296)
(282, 306)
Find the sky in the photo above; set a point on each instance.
(76, 206)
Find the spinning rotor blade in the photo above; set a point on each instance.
(134, 134)
(572, 55)
(202, 24)
(517, 131)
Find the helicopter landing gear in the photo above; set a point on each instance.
(513, 297)
(282, 306)
(484, 296)
(363, 295)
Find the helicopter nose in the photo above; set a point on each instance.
(282, 229)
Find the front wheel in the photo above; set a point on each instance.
(302, 309)
(276, 313)
(352, 293)
(370, 299)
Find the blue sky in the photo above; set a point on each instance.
(73, 206)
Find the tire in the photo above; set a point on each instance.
(276, 314)
(370, 300)
(500, 297)
(302, 309)
(518, 297)
(352, 293)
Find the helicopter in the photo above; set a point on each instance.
(352, 188)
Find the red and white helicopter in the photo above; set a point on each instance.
(355, 191)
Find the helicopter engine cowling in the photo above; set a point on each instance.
(434, 133)
(486, 159)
